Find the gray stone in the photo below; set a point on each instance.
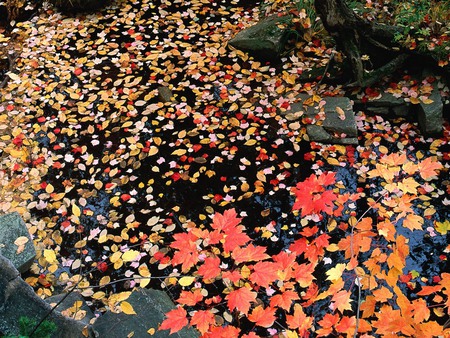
(69, 306)
(387, 104)
(150, 307)
(165, 94)
(339, 125)
(430, 115)
(335, 123)
(12, 227)
(265, 40)
(18, 299)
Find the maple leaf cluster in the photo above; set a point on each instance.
(266, 289)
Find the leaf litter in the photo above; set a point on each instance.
(206, 195)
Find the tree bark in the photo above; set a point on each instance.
(355, 36)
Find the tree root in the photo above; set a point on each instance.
(376, 75)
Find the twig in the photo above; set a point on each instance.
(358, 306)
(327, 67)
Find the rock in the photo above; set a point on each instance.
(387, 104)
(150, 307)
(339, 117)
(264, 40)
(165, 94)
(13, 228)
(18, 299)
(430, 116)
(339, 125)
(72, 305)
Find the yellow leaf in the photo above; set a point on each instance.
(153, 150)
(250, 142)
(99, 295)
(186, 281)
(50, 256)
(127, 308)
(49, 189)
(414, 100)
(179, 152)
(336, 272)
(442, 227)
(76, 210)
(130, 255)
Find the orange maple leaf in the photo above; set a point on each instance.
(264, 273)
(249, 253)
(284, 300)
(428, 167)
(341, 300)
(262, 317)
(240, 299)
(413, 222)
(394, 159)
(175, 321)
(327, 325)
(391, 321)
(190, 298)
(210, 268)
(299, 321)
(203, 319)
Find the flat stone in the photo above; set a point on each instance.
(319, 134)
(387, 104)
(72, 305)
(12, 227)
(18, 299)
(334, 122)
(265, 40)
(430, 116)
(150, 307)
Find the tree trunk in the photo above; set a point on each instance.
(355, 36)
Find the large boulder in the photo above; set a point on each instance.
(150, 307)
(15, 241)
(18, 299)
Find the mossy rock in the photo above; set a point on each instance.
(79, 5)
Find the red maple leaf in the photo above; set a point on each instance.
(312, 197)
(210, 268)
(235, 239)
(249, 253)
(264, 273)
(240, 299)
(262, 317)
(203, 319)
(284, 300)
(233, 276)
(175, 321)
(226, 221)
